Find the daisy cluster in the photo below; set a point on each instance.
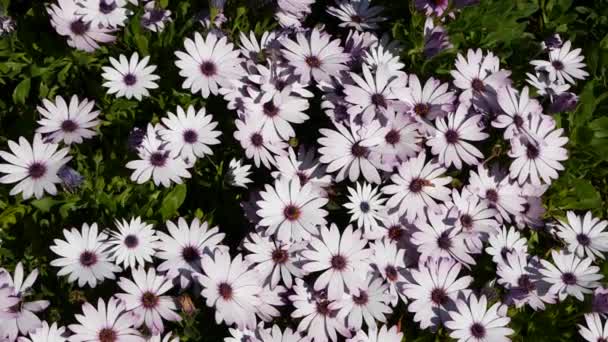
(417, 166)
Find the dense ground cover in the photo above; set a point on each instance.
(36, 63)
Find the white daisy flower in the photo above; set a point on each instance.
(433, 288)
(274, 260)
(379, 57)
(275, 334)
(84, 256)
(291, 211)
(320, 321)
(189, 133)
(130, 77)
(452, 138)
(133, 244)
(357, 14)
(505, 241)
(182, 249)
(349, 150)
(315, 57)
(544, 86)
(585, 236)
(571, 275)
(146, 299)
(156, 162)
(155, 18)
(365, 206)
(277, 78)
(474, 321)
(402, 140)
(516, 110)
(252, 48)
(258, 147)
(208, 64)
(595, 331)
(563, 66)
(497, 193)
(270, 299)
(81, 34)
(383, 334)
(68, 123)
(305, 167)
(231, 288)
(46, 333)
(538, 153)
(371, 94)
(369, 305)
(428, 103)
(24, 320)
(389, 261)
(106, 323)
(34, 166)
(278, 113)
(103, 13)
(7, 301)
(238, 173)
(343, 259)
(416, 187)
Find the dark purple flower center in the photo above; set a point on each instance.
(338, 262)
(323, 307)
(492, 195)
(583, 239)
(131, 241)
(558, 65)
(525, 283)
(208, 68)
(190, 254)
(504, 251)
(466, 221)
(439, 296)
(303, 177)
(395, 233)
(88, 259)
(362, 298)
(107, 335)
(478, 331)
(190, 136)
(16, 308)
(392, 137)
(156, 15)
(291, 212)
(280, 256)
(532, 151)
(257, 140)
(79, 27)
(340, 113)
(601, 339)
(451, 136)
(379, 100)
(422, 109)
(444, 241)
(270, 109)
(225, 290)
(359, 151)
(69, 126)
(36, 170)
(478, 85)
(391, 273)
(518, 120)
(356, 19)
(159, 159)
(364, 206)
(106, 7)
(417, 184)
(130, 79)
(313, 61)
(569, 278)
(149, 300)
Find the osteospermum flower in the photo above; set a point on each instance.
(277, 114)
(291, 211)
(365, 206)
(357, 14)
(106, 323)
(474, 321)
(275, 334)
(402, 139)
(427, 103)
(342, 258)
(371, 94)
(103, 13)
(24, 320)
(34, 166)
(452, 138)
(84, 256)
(505, 241)
(232, 288)
(595, 331)
(155, 18)
(369, 305)
(349, 150)
(585, 236)
(134, 243)
(571, 275)
(156, 162)
(377, 56)
(182, 249)
(433, 288)
(238, 173)
(516, 110)
(189, 133)
(537, 154)
(305, 167)
(81, 34)
(416, 187)
(258, 147)
(68, 123)
(146, 298)
(389, 262)
(208, 64)
(274, 260)
(383, 334)
(130, 77)
(473, 217)
(498, 193)
(270, 301)
(7, 301)
(46, 333)
(563, 65)
(316, 57)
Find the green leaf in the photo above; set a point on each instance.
(45, 204)
(174, 199)
(22, 90)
